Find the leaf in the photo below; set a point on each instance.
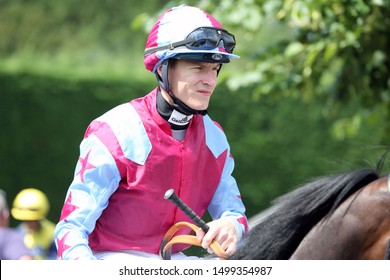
(293, 49)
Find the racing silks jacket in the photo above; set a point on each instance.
(128, 160)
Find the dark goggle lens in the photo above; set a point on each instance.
(209, 38)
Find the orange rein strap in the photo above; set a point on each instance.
(169, 240)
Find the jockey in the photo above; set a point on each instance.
(31, 207)
(131, 155)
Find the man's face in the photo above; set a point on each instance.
(33, 225)
(193, 82)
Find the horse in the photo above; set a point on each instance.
(342, 216)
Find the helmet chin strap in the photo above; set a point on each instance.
(177, 119)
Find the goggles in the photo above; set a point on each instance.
(202, 38)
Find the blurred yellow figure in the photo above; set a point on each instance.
(11, 243)
(31, 207)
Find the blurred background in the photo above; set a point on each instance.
(309, 96)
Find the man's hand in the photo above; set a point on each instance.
(223, 231)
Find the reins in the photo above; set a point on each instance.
(170, 239)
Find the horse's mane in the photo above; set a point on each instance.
(285, 224)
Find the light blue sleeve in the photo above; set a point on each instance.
(96, 178)
(226, 202)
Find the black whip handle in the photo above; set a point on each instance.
(171, 196)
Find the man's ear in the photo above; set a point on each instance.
(159, 70)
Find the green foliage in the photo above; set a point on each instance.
(314, 48)
(74, 39)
